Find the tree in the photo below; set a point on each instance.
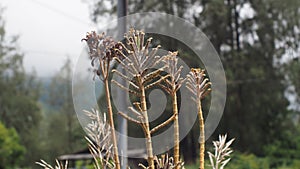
(292, 69)
(11, 151)
(64, 133)
(255, 80)
(250, 46)
(19, 93)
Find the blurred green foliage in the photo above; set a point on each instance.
(285, 152)
(253, 39)
(62, 131)
(11, 150)
(257, 111)
(84, 164)
(250, 161)
(19, 94)
(251, 46)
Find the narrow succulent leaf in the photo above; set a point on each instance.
(165, 88)
(169, 120)
(148, 42)
(224, 163)
(156, 82)
(211, 159)
(203, 83)
(229, 143)
(150, 76)
(124, 66)
(194, 99)
(125, 88)
(138, 106)
(121, 75)
(177, 74)
(129, 118)
(154, 62)
(228, 153)
(134, 68)
(205, 93)
(135, 111)
(190, 88)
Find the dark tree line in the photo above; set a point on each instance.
(254, 39)
(32, 128)
(251, 37)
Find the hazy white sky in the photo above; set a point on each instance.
(49, 30)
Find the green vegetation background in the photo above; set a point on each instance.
(38, 115)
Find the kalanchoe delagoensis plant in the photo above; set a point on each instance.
(143, 69)
(222, 152)
(137, 59)
(166, 162)
(199, 86)
(58, 165)
(171, 86)
(99, 140)
(102, 51)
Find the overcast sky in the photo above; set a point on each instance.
(49, 30)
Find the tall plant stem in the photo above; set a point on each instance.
(176, 130)
(112, 126)
(147, 128)
(202, 135)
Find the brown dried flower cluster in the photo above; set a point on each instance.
(102, 50)
(143, 69)
(199, 86)
(198, 83)
(175, 81)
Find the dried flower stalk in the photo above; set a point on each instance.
(102, 51)
(171, 86)
(199, 86)
(137, 61)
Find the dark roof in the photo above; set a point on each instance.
(85, 155)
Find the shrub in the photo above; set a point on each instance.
(11, 151)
